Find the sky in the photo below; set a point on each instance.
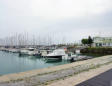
(70, 20)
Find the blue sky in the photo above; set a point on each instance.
(71, 19)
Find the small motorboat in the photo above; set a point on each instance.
(29, 52)
(56, 55)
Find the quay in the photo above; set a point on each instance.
(95, 77)
(51, 75)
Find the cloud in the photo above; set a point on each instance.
(72, 19)
(55, 8)
(70, 8)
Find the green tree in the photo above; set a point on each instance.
(84, 41)
(90, 41)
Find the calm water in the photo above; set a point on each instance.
(12, 63)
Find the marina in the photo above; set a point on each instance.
(55, 42)
(31, 59)
(13, 63)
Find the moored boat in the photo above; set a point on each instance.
(30, 52)
(57, 54)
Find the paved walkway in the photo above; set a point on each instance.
(104, 79)
(96, 77)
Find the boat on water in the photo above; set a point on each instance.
(79, 57)
(14, 50)
(56, 55)
(30, 52)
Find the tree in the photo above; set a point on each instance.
(90, 41)
(84, 41)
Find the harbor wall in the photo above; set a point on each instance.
(97, 50)
(23, 75)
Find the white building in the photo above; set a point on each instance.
(103, 41)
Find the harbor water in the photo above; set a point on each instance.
(13, 63)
